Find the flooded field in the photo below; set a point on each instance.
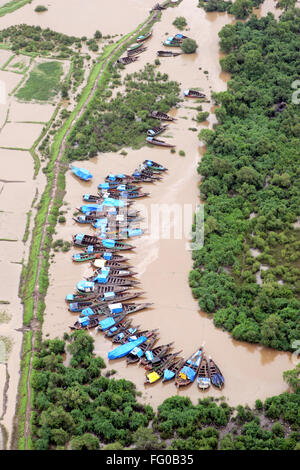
(81, 17)
(163, 265)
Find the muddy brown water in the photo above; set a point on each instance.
(163, 265)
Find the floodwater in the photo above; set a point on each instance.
(81, 17)
(163, 264)
(16, 135)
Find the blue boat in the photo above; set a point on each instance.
(187, 374)
(88, 208)
(126, 348)
(81, 173)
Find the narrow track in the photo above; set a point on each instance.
(35, 324)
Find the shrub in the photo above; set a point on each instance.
(189, 46)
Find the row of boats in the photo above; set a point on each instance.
(105, 300)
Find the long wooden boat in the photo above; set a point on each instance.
(108, 310)
(215, 374)
(156, 130)
(157, 373)
(168, 53)
(143, 37)
(120, 281)
(114, 272)
(203, 379)
(171, 370)
(132, 333)
(86, 324)
(82, 257)
(114, 330)
(134, 47)
(135, 355)
(105, 299)
(127, 60)
(87, 287)
(161, 116)
(154, 356)
(124, 349)
(193, 94)
(109, 322)
(102, 263)
(172, 43)
(136, 51)
(187, 374)
(154, 165)
(82, 297)
(161, 143)
(107, 244)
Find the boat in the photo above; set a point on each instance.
(139, 351)
(115, 330)
(193, 94)
(153, 165)
(156, 130)
(113, 272)
(187, 374)
(157, 373)
(104, 255)
(168, 53)
(127, 60)
(108, 322)
(105, 299)
(102, 263)
(203, 379)
(161, 143)
(117, 281)
(136, 51)
(134, 47)
(154, 356)
(215, 374)
(172, 43)
(113, 185)
(126, 348)
(82, 297)
(81, 173)
(171, 370)
(85, 323)
(138, 178)
(161, 116)
(143, 37)
(87, 240)
(114, 309)
(98, 289)
(130, 334)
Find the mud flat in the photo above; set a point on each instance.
(163, 264)
(28, 112)
(81, 17)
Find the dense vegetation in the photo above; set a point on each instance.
(189, 46)
(43, 82)
(241, 9)
(180, 22)
(251, 184)
(108, 125)
(78, 407)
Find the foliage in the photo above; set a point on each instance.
(189, 46)
(180, 22)
(202, 116)
(43, 82)
(40, 8)
(241, 9)
(251, 184)
(121, 122)
(77, 404)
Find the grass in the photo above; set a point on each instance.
(12, 6)
(4, 317)
(43, 82)
(26, 234)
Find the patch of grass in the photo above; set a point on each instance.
(26, 234)
(181, 153)
(12, 6)
(4, 317)
(8, 346)
(40, 8)
(43, 82)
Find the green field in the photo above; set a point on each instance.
(43, 82)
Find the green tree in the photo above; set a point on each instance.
(189, 46)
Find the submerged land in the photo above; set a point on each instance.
(55, 78)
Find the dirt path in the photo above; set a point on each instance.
(35, 325)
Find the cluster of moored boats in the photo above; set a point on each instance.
(105, 300)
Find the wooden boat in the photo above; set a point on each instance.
(172, 43)
(171, 370)
(215, 374)
(161, 143)
(112, 245)
(108, 310)
(114, 330)
(82, 297)
(154, 166)
(137, 353)
(113, 272)
(85, 325)
(94, 287)
(127, 60)
(157, 373)
(193, 94)
(132, 333)
(161, 116)
(156, 130)
(120, 281)
(187, 374)
(168, 53)
(102, 263)
(104, 300)
(203, 379)
(143, 37)
(124, 349)
(136, 51)
(82, 257)
(134, 47)
(155, 355)
(109, 322)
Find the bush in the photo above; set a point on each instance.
(40, 8)
(202, 116)
(180, 22)
(61, 219)
(189, 46)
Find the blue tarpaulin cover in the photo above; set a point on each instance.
(70, 297)
(106, 323)
(168, 374)
(137, 352)
(103, 186)
(109, 243)
(83, 285)
(109, 201)
(91, 208)
(87, 312)
(82, 173)
(190, 373)
(107, 255)
(126, 348)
